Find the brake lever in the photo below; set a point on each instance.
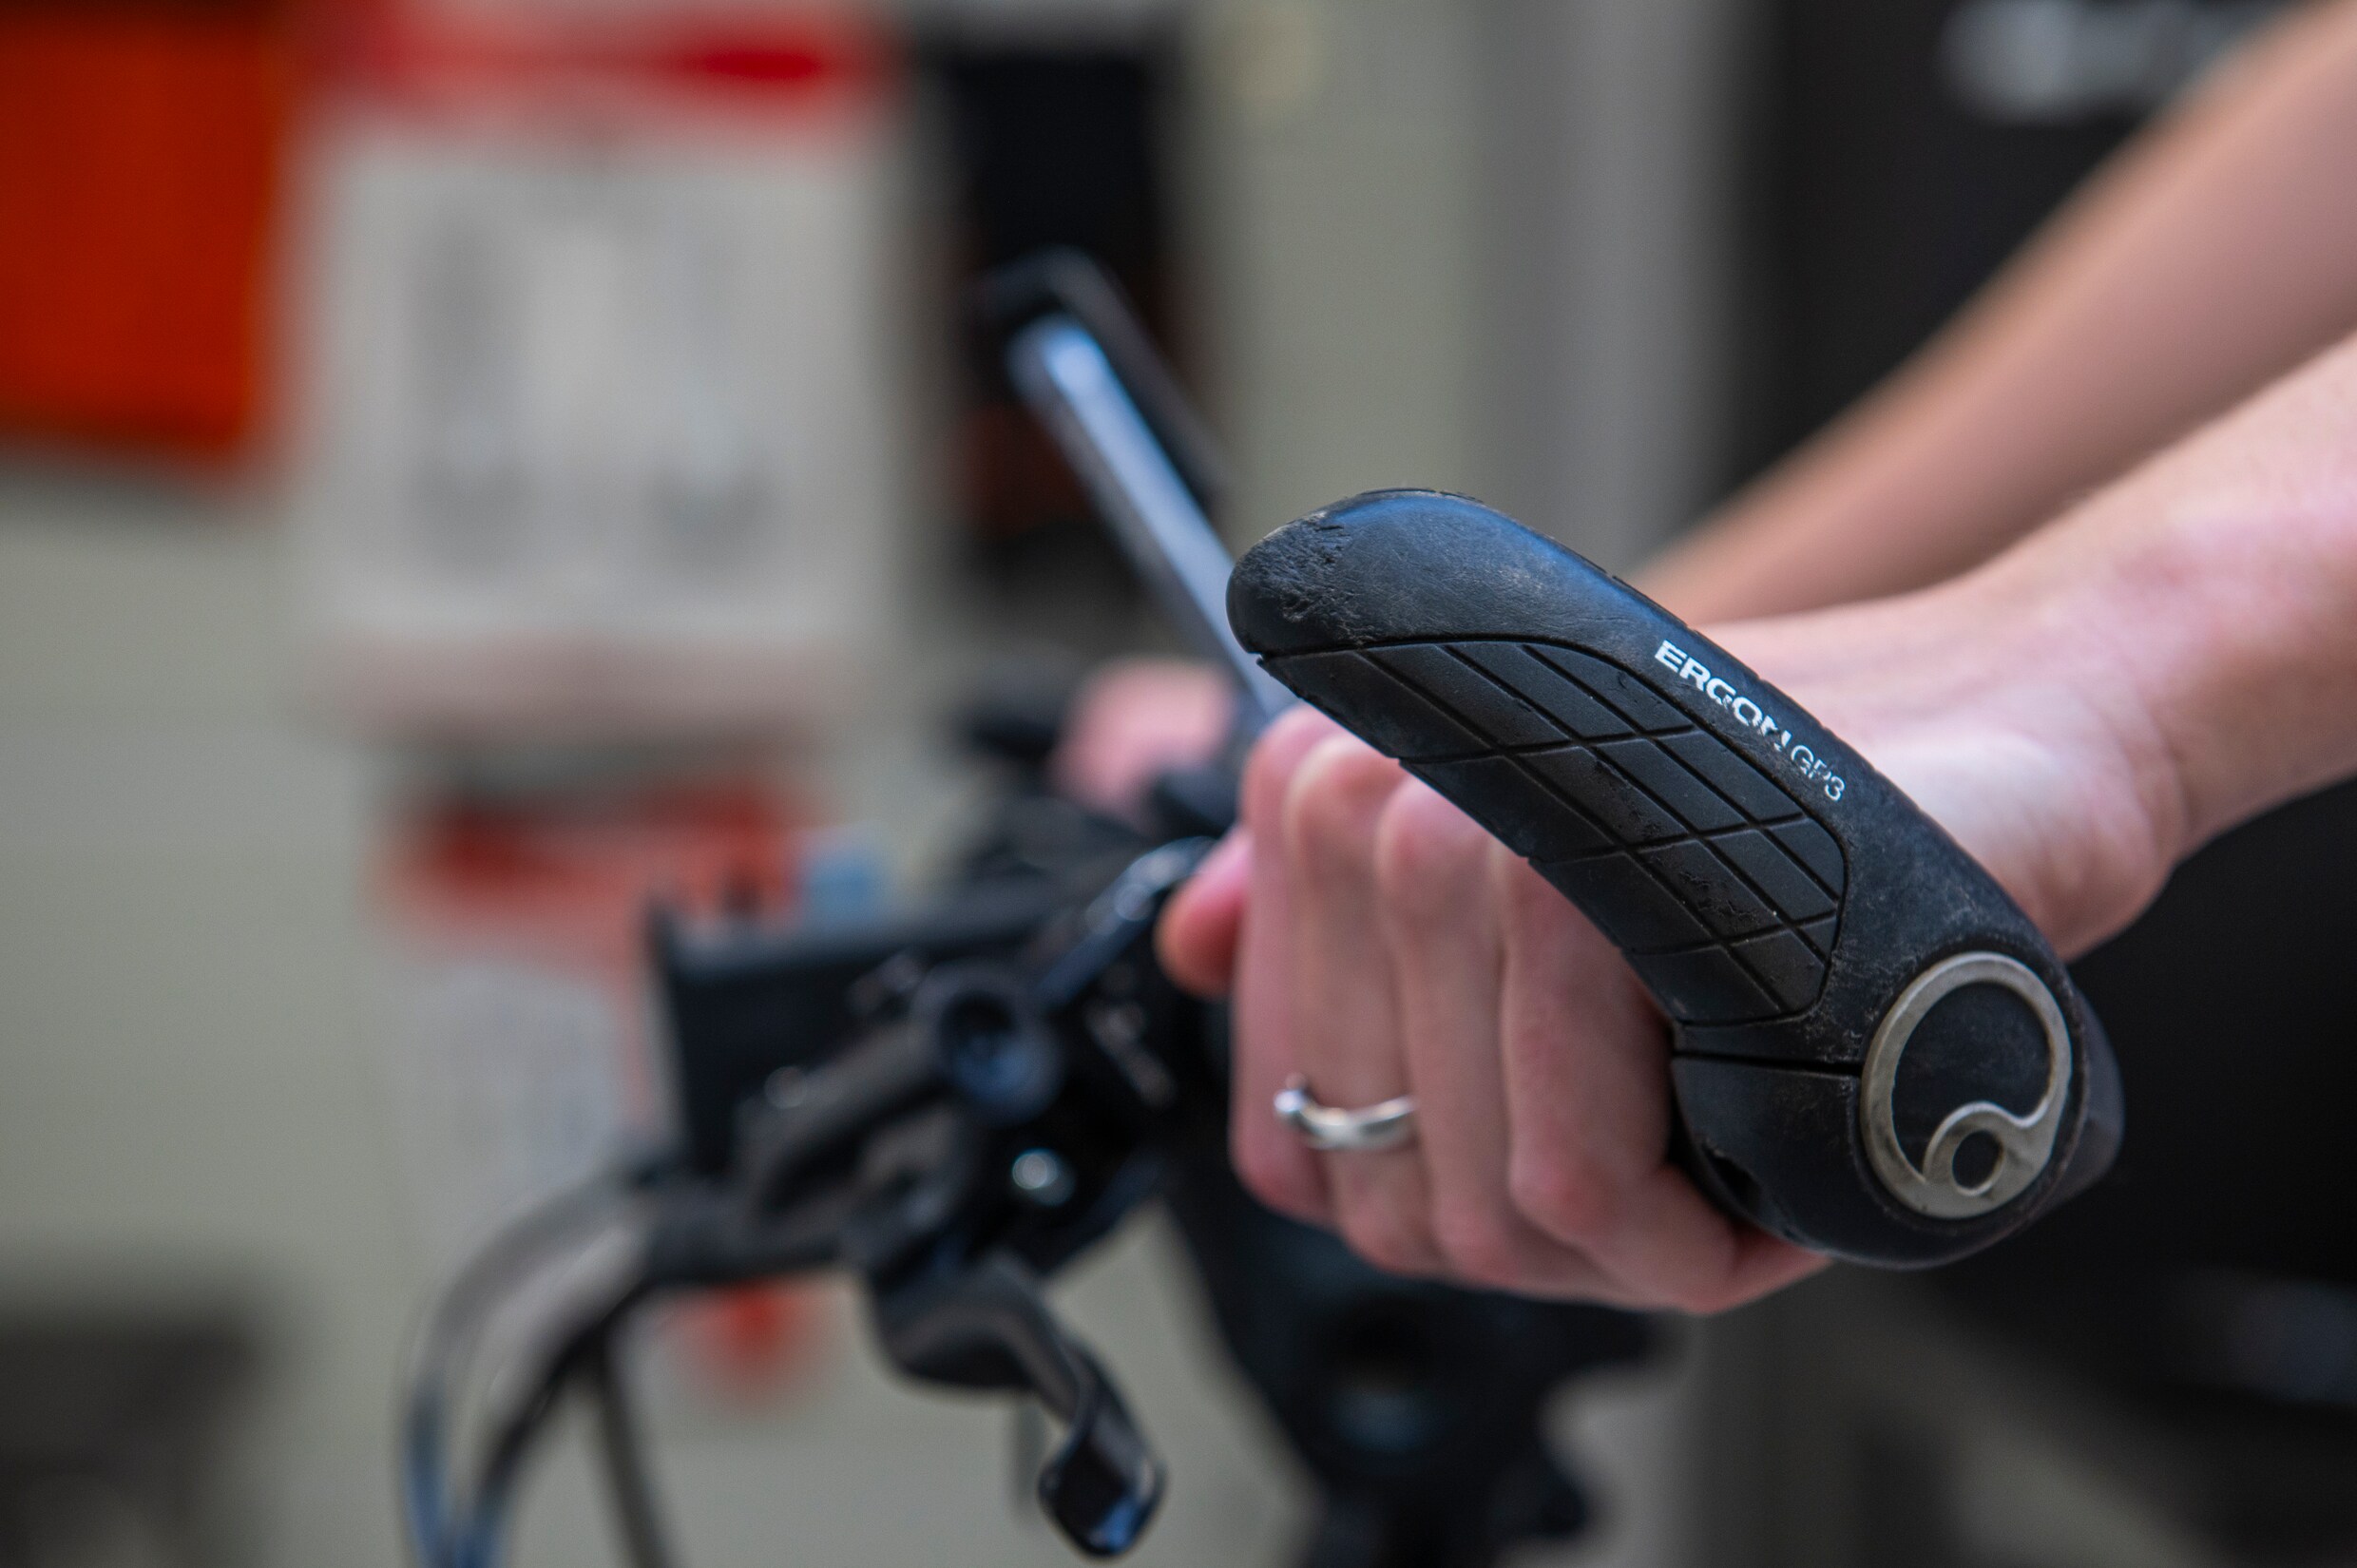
(899, 1145)
(1877, 1054)
(988, 1326)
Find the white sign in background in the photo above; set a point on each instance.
(596, 432)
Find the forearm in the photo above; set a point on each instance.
(2217, 589)
(2211, 257)
(2176, 654)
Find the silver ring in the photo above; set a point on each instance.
(1329, 1127)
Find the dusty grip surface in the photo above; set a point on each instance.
(1777, 895)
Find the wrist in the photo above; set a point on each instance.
(2082, 798)
(1981, 698)
(2210, 605)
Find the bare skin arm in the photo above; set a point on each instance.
(2082, 711)
(2215, 254)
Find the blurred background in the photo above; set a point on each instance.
(469, 467)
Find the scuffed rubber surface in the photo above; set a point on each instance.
(1703, 869)
(1774, 891)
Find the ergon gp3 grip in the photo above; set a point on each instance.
(1875, 1054)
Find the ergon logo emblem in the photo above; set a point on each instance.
(1751, 715)
(2024, 1140)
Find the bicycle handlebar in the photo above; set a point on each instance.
(1876, 1053)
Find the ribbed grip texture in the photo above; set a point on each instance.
(1778, 896)
(1702, 869)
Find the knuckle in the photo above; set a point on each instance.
(1332, 803)
(1423, 847)
(1275, 1175)
(1262, 786)
(1270, 768)
(1525, 896)
(1386, 1239)
(1562, 1193)
(1478, 1244)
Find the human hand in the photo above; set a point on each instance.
(1380, 943)
(1135, 720)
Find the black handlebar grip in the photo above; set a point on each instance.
(1876, 1053)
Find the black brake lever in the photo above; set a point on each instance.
(1878, 1055)
(988, 1326)
(900, 1142)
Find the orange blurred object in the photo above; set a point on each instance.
(751, 1342)
(140, 148)
(583, 865)
(709, 55)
